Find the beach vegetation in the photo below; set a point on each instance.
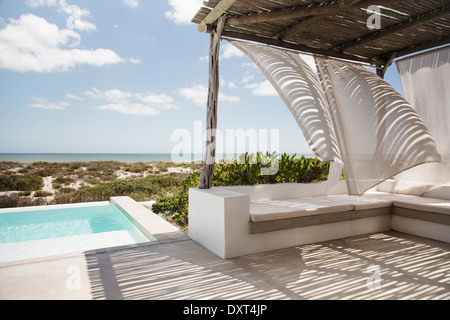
(249, 169)
(100, 180)
(17, 182)
(85, 181)
(42, 194)
(14, 200)
(140, 189)
(63, 180)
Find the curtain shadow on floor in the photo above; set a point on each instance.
(408, 268)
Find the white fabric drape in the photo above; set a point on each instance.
(379, 133)
(426, 84)
(302, 93)
(349, 116)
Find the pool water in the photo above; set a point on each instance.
(37, 233)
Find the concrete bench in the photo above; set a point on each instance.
(277, 215)
(234, 221)
(267, 216)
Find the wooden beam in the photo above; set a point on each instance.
(289, 13)
(213, 98)
(315, 19)
(218, 10)
(298, 47)
(423, 46)
(420, 19)
(312, 20)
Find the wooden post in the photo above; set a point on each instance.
(209, 157)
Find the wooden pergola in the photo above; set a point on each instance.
(330, 28)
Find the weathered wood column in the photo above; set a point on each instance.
(209, 157)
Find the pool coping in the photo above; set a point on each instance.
(55, 206)
(148, 222)
(151, 225)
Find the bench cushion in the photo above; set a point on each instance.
(291, 208)
(299, 207)
(371, 201)
(425, 204)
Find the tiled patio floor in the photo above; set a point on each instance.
(387, 265)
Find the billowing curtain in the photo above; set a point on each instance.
(348, 115)
(379, 133)
(302, 93)
(426, 85)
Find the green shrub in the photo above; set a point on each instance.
(66, 190)
(42, 194)
(248, 170)
(16, 201)
(20, 182)
(6, 182)
(28, 183)
(141, 189)
(63, 180)
(175, 208)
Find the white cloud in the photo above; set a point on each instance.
(31, 43)
(43, 103)
(108, 95)
(74, 97)
(148, 103)
(134, 60)
(198, 94)
(229, 84)
(246, 79)
(41, 3)
(131, 3)
(81, 25)
(262, 89)
(182, 11)
(75, 13)
(230, 51)
(223, 97)
(134, 109)
(163, 101)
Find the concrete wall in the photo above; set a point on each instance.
(219, 218)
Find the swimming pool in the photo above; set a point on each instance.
(38, 232)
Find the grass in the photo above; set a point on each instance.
(23, 184)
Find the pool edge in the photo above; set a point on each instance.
(148, 222)
(142, 217)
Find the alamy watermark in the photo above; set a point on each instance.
(73, 281)
(374, 20)
(374, 280)
(74, 19)
(190, 145)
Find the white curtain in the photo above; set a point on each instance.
(348, 115)
(379, 133)
(302, 93)
(426, 84)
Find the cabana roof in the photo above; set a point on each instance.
(368, 31)
(334, 28)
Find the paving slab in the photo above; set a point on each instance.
(385, 266)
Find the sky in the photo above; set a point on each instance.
(128, 76)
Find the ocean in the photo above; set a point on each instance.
(86, 157)
(121, 157)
